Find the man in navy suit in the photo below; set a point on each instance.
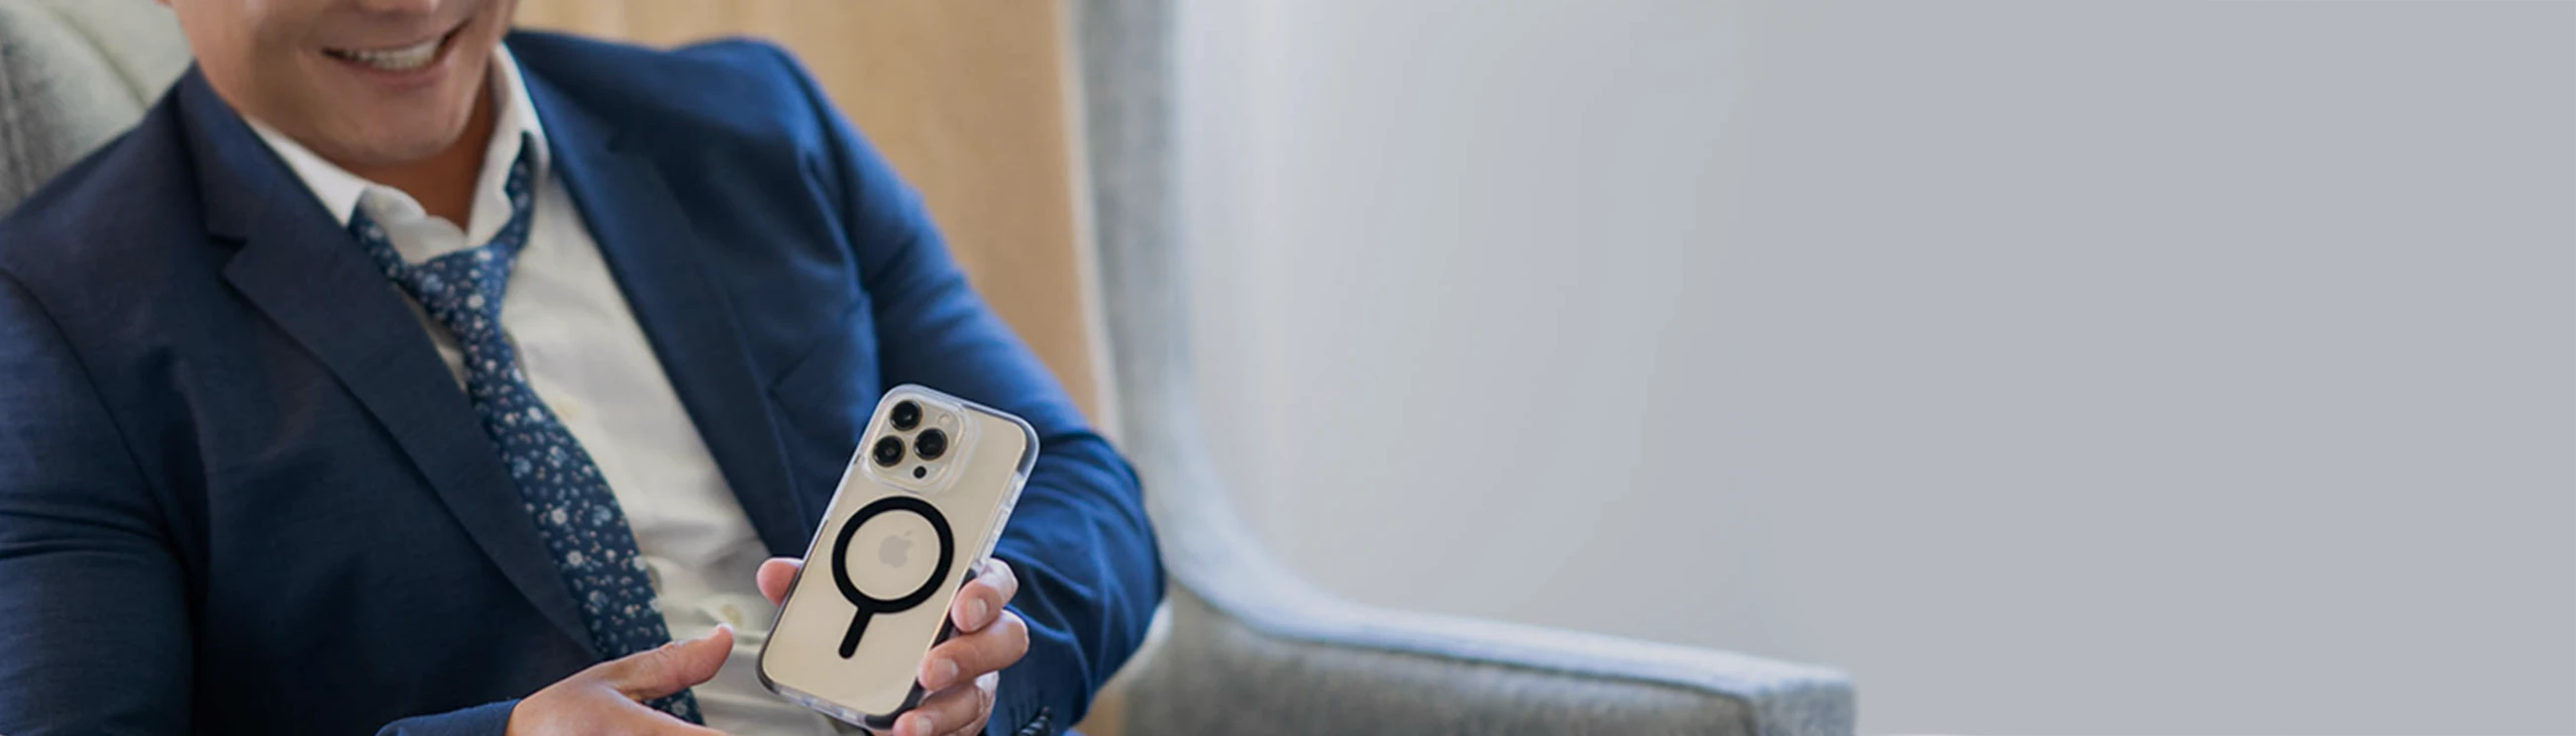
(401, 374)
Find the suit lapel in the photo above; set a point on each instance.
(301, 268)
(652, 249)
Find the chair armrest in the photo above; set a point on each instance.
(1376, 671)
(1254, 649)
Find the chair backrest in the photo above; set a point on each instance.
(74, 73)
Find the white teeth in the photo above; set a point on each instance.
(395, 60)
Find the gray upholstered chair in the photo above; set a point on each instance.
(1249, 648)
(72, 75)
(1254, 650)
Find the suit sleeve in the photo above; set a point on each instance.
(1090, 576)
(94, 612)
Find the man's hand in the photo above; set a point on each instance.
(609, 697)
(960, 673)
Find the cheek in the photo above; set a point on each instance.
(243, 51)
(505, 10)
(493, 24)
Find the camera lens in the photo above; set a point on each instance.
(906, 415)
(931, 444)
(889, 450)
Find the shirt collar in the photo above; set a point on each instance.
(515, 119)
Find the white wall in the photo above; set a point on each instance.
(2177, 367)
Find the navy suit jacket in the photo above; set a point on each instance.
(240, 493)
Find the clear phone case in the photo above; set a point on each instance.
(904, 532)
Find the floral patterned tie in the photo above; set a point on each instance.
(583, 527)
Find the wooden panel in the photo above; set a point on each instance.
(968, 98)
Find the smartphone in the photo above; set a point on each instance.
(918, 509)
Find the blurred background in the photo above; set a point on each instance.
(2163, 367)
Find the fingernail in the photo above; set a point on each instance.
(975, 610)
(921, 725)
(941, 672)
(721, 628)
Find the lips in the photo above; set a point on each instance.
(396, 59)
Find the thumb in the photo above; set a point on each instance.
(776, 574)
(669, 668)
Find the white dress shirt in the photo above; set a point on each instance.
(582, 350)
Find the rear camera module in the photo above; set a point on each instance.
(931, 444)
(888, 451)
(906, 415)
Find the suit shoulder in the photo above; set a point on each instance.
(737, 89)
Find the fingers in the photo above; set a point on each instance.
(952, 711)
(669, 668)
(592, 708)
(967, 656)
(981, 602)
(776, 574)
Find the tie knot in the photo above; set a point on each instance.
(462, 290)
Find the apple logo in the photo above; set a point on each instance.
(895, 549)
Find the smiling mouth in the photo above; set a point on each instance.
(398, 59)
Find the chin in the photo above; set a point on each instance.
(398, 143)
